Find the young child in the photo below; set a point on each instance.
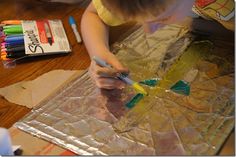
(151, 14)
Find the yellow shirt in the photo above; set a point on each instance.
(106, 16)
(219, 10)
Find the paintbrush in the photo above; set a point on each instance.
(122, 77)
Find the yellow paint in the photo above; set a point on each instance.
(139, 89)
(186, 62)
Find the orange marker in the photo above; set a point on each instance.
(11, 22)
(3, 50)
(4, 57)
(3, 53)
(2, 40)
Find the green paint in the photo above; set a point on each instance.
(151, 82)
(181, 87)
(134, 100)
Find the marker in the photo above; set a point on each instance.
(11, 22)
(17, 35)
(15, 42)
(74, 28)
(48, 33)
(3, 44)
(135, 85)
(12, 26)
(14, 38)
(3, 50)
(15, 55)
(16, 49)
(13, 46)
(1, 33)
(2, 39)
(1, 25)
(13, 30)
(3, 53)
(4, 57)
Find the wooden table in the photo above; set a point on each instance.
(77, 60)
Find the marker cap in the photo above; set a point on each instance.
(71, 20)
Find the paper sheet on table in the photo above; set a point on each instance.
(31, 93)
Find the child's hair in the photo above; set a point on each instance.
(133, 9)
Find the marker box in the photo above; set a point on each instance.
(40, 37)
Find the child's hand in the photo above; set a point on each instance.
(106, 77)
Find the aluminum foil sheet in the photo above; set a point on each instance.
(90, 121)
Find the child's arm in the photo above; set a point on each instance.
(95, 36)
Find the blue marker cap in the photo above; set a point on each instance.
(71, 20)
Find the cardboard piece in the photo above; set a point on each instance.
(31, 93)
(32, 145)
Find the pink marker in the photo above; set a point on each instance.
(3, 44)
(3, 50)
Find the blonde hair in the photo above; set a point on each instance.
(133, 9)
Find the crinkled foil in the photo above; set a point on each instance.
(90, 121)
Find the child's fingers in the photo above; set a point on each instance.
(114, 62)
(106, 72)
(109, 83)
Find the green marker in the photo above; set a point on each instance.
(13, 29)
(12, 26)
